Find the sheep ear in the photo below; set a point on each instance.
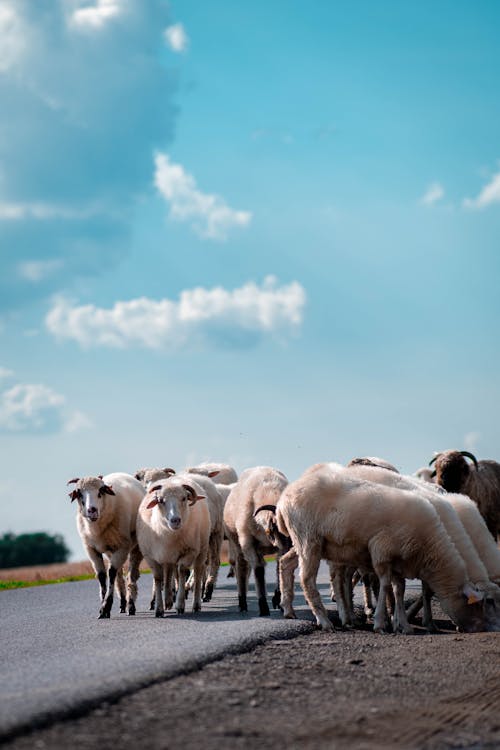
(73, 481)
(72, 495)
(107, 489)
(473, 595)
(213, 474)
(139, 474)
(152, 503)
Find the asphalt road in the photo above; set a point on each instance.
(59, 660)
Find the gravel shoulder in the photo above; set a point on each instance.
(322, 690)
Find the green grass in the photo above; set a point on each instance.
(7, 585)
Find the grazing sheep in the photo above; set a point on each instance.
(477, 530)
(225, 474)
(106, 522)
(173, 530)
(476, 571)
(358, 523)
(372, 461)
(254, 536)
(480, 482)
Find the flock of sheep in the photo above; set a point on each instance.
(366, 519)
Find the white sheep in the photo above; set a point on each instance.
(476, 528)
(476, 571)
(146, 476)
(358, 523)
(106, 522)
(254, 535)
(173, 530)
(221, 473)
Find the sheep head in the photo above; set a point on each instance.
(452, 470)
(90, 493)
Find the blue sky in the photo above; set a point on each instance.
(260, 233)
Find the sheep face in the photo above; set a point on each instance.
(452, 471)
(173, 502)
(467, 609)
(91, 495)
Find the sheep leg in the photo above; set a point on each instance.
(214, 546)
(427, 619)
(256, 560)
(332, 568)
(115, 564)
(414, 609)
(310, 557)
(134, 561)
(242, 569)
(97, 561)
(180, 599)
(276, 599)
(400, 622)
(380, 616)
(199, 574)
(168, 573)
(369, 607)
(157, 570)
(121, 590)
(288, 564)
(232, 554)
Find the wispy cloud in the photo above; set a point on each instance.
(471, 439)
(176, 37)
(5, 373)
(100, 123)
(433, 194)
(97, 15)
(209, 214)
(36, 271)
(488, 195)
(36, 408)
(237, 317)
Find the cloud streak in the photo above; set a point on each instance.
(433, 194)
(489, 195)
(176, 37)
(208, 214)
(238, 317)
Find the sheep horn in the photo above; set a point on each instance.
(169, 471)
(193, 494)
(472, 458)
(434, 459)
(272, 508)
(156, 487)
(73, 481)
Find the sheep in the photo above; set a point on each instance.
(254, 535)
(476, 571)
(358, 523)
(224, 491)
(372, 461)
(173, 531)
(106, 522)
(146, 476)
(426, 474)
(225, 474)
(480, 482)
(477, 530)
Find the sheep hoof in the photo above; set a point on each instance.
(208, 592)
(104, 615)
(123, 605)
(230, 572)
(159, 613)
(180, 610)
(131, 609)
(276, 600)
(197, 607)
(242, 604)
(263, 608)
(289, 615)
(327, 626)
(152, 604)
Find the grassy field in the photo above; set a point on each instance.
(40, 575)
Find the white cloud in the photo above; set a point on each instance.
(176, 37)
(471, 440)
(5, 373)
(96, 16)
(13, 36)
(237, 317)
(433, 194)
(488, 195)
(32, 407)
(210, 215)
(38, 270)
(17, 211)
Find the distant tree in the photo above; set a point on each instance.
(31, 549)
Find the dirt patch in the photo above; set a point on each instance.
(343, 690)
